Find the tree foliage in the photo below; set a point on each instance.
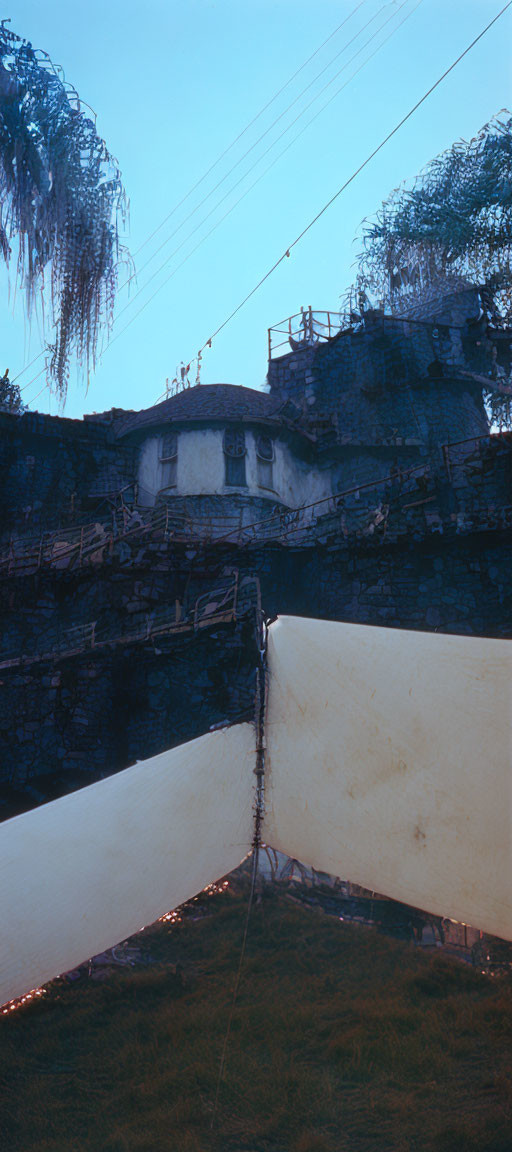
(10, 395)
(455, 221)
(62, 198)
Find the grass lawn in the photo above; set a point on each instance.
(341, 1039)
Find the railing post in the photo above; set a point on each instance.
(235, 595)
(447, 462)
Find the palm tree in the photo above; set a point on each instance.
(61, 201)
(453, 224)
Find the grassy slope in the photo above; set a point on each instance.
(341, 1039)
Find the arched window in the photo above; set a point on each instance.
(234, 457)
(169, 459)
(265, 455)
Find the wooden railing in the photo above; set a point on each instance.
(342, 513)
(222, 604)
(73, 548)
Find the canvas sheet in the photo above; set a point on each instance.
(81, 873)
(390, 763)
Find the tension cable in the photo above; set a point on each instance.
(259, 810)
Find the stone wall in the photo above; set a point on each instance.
(55, 470)
(87, 685)
(68, 720)
(387, 381)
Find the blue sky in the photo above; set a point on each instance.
(173, 83)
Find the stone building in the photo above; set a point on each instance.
(363, 485)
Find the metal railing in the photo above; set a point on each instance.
(303, 330)
(495, 448)
(309, 327)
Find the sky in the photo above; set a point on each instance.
(173, 83)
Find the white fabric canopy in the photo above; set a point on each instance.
(81, 873)
(390, 763)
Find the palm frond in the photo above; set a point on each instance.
(455, 221)
(61, 198)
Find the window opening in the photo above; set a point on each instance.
(234, 457)
(169, 460)
(265, 455)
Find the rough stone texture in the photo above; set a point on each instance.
(55, 470)
(68, 725)
(389, 382)
(428, 549)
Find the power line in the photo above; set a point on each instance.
(225, 177)
(345, 185)
(260, 138)
(34, 398)
(259, 158)
(26, 368)
(262, 174)
(250, 124)
(356, 173)
(34, 378)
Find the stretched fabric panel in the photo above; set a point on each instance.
(390, 763)
(81, 873)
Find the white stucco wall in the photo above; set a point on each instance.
(296, 483)
(200, 470)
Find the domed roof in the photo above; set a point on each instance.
(203, 402)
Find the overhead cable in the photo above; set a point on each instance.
(225, 177)
(34, 378)
(250, 124)
(34, 398)
(256, 181)
(351, 178)
(26, 368)
(259, 158)
(262, 136)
